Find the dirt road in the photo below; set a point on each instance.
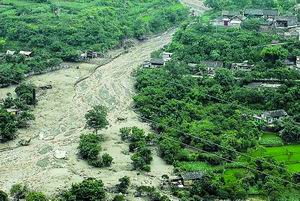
(60, 121)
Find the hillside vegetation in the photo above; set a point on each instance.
(60, 30)
(282, 5)
(206, 122)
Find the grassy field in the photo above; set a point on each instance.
(271, 146)
(231, 175)
(194, 166)
(270, 139)
(274, 147)
(289, 154)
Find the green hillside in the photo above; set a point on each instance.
(60, 30)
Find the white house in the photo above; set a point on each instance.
(167, 56)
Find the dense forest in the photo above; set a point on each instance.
(282, 5)
(207, 123)
(56, 31)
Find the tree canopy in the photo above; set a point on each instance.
(98, 25)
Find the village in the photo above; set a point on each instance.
(202, 108)
(271, 21)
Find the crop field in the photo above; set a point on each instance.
(288, 154)
(270, 139)
(194, 166)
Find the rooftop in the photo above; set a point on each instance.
(292, 20)
(270, 12)
(261, 84)
(213, 64)
(192, 175)
(275, 113)
(254, 12)
(157, 61)
(230, 13)
(26, 53)
(9, 52)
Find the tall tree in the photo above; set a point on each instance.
(8, 126)
(96, 118)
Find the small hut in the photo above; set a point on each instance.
(157, 62)
(25, 53)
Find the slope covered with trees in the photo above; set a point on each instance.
(60, 30)
(282, 5)
(207, 123)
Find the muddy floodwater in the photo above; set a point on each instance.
(60, 121)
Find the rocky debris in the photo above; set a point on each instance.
(43, 163)
(41, 135)
(45, 149)
(122, 118)
(48, 86)
(49, 138)
(25, 141)
(67, 107)
(59, 154)
(125, 152)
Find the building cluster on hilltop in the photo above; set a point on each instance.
(271, 20)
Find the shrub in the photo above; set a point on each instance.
(123, 185)
(95, 163)
(89, 146)
(3, 196)
(88, 190)
(25, 92)
(152, 193)
(36, 196)
(139, 163)
(119, 198)
(19, 191)
(8, 126)
(125, 133)
(96, 118)
(138, 144)
(106, 160)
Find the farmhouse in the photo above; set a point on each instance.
(83, 56)
(235, 22)
(286, 21)
(293, 63)
(9, 52)
(254, 13)
(289, 62)
(271, 116)
(157, 62)
(25, 53)
(228, 19)
(212, 66)
(270, 13)
(298, 62)
(189, 178)
(147, 64)
(167, 56)
(220, 21)
(186, 179)
(91, 54)
(266, 26)
(245, 66)
(262, 85)
(229, 14)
